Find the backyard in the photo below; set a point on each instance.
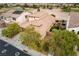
(75, 9)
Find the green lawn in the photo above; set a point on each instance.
(4, 10)
(29, 9)
(75, 9)
(71, 9)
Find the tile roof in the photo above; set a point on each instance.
(43, 24)
(38, 14)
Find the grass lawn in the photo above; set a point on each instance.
(71, 10)
(29, 9)
(75, 9)
(4, 10)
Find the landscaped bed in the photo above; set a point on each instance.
(11, 30)
(31, 38)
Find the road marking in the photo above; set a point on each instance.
(4, 51)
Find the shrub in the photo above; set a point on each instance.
(11, 30)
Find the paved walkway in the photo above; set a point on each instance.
(16, 42)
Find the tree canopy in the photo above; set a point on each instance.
(30, 38)
(11, 30)
(66, 8)
(63, 42)
(60, 43)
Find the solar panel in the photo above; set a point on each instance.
(17, 12)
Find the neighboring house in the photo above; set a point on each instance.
(73, 22)
(2, 24)
(41, 21)
(14, 16)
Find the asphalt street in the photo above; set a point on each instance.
(7, 49)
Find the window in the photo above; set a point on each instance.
(1, 17)
(56, 21)
(14, 18)
(72, 30)
(78, 32)
(64, 24)
(26, 16)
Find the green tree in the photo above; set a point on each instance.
(1, 6)
(66, 8)
(35, 6)
(5, 5)
(63, 42)
(45, 45)
(43, 6)
(11, 30)
(38, 9)
(30, 38)
(50, 7)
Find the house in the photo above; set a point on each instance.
(2, 24)
(41, 21)
(73, 22)
(14, 16)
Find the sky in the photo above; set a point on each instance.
(39, 1)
